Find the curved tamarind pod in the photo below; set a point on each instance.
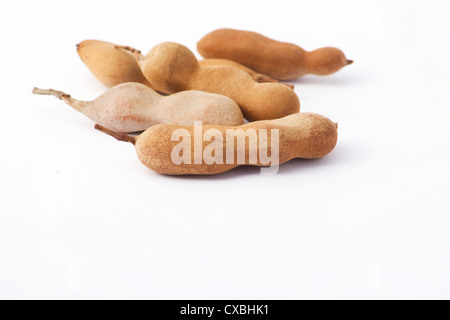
(303, 135)
(133, 107)
(111, 64)
(258, 77)
(171, 67)
(280, 60)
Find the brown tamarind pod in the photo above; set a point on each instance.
(209, 150)
(171, 67)
(111, 64)
(280, 60)
(133, 107)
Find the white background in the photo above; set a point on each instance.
(80, 217)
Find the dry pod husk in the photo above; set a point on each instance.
(280, 60)
(133, 107)
(303, 135)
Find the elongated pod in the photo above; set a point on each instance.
(171, 67)
(280, 60)
(188, 150)
(133, 107)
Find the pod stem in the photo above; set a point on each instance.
(137, 53)
(349, 62)
(117, 135)
(50, 92)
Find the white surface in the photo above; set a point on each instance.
(80, 217)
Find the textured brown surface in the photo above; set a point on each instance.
(113, 64)
(110, 64)
(280, 60)
(304, 135)
(258, 77)
(133, 107)
(171, 67)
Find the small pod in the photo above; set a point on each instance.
(110, 64)
(280, 60)
(133, 107)
(209, 150)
